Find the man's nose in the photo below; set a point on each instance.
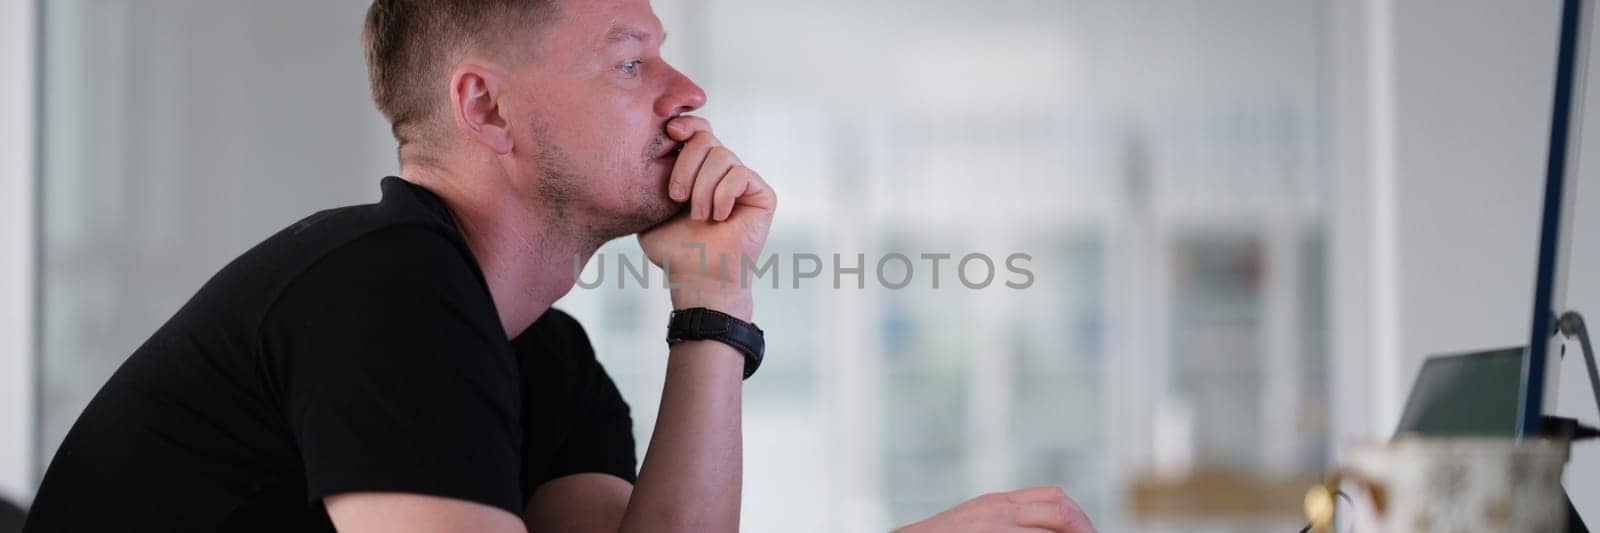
(681, 96)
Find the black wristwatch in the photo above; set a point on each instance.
(699, 323)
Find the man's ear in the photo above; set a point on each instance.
(475, 94)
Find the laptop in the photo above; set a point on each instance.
(1465, 394)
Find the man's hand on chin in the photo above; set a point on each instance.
(1035, 510)
(729, 210)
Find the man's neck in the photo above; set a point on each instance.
(526, 257)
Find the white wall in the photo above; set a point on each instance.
(16, 248)
(1473, 93)
(180, 133)
(1471, 84)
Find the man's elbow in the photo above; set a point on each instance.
(395, 512)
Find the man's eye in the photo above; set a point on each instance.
(631, 67)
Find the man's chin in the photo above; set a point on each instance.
(652, 212)
(658, 213)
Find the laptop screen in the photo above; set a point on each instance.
(1465, 394)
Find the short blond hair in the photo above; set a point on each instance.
(409, 45)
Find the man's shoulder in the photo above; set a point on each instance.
(399, 279)
(403, 237)
(405, 210)
(398, 263)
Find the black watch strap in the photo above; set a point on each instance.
(699, 323)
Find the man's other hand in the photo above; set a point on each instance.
(1036, 510)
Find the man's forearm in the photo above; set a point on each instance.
(690, 479)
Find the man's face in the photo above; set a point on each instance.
(593, 106)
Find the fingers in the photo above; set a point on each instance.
(728, 191)
(1035, 510)
(709, 176)
(690, 160)
(718, 161)
(1050, 508)
(683, 127)
(741, 186)
(1044, 515)
(1038, 494)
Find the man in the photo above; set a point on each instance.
(396, 367)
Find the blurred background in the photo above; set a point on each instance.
(1250, 221)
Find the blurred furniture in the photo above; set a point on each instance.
(1234, 499)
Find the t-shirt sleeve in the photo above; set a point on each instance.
(394, 374)
(600, 438)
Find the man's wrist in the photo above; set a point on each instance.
(735, 302)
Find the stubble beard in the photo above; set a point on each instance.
(567, 193)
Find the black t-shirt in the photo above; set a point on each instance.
(356, 350)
